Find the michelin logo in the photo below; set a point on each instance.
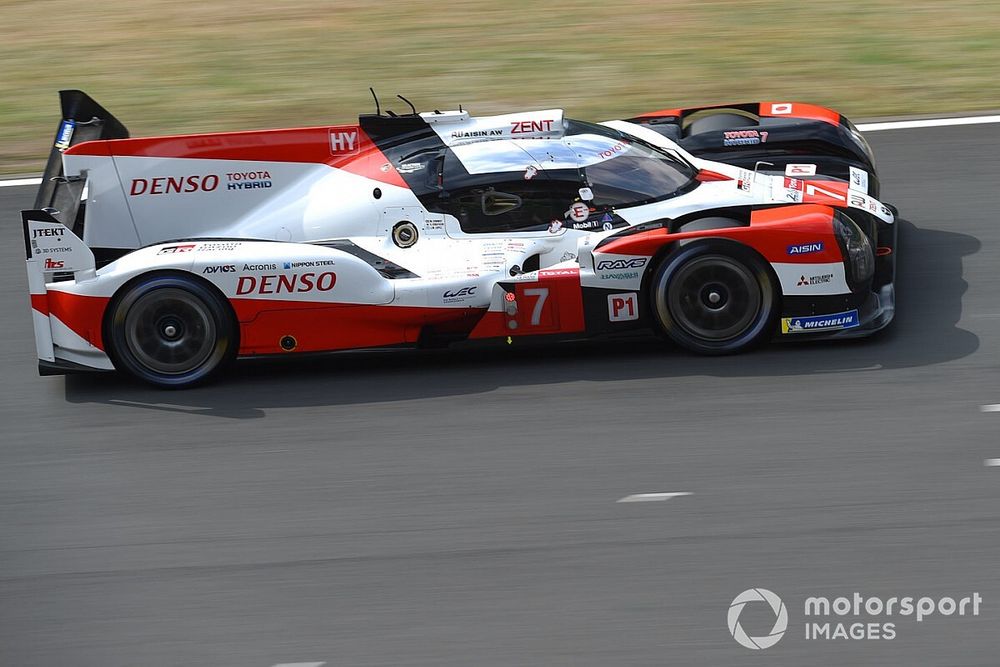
(846, 320)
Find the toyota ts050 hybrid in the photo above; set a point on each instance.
(719, 227)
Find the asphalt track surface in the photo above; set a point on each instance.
(459, 508)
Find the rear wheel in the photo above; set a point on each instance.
(171, 331)
(714, 298)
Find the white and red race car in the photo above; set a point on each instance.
(166, 257)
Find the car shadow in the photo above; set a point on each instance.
(929, 282)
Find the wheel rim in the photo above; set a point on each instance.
(714, 297)
(170, 331)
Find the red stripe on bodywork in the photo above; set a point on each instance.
(40, 302)
(307, 145)
(552, 304)
(799, 110)
(82, 314)
(339, 326)
(771, 232)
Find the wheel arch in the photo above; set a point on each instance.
(163, 273)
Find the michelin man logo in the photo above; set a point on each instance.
(780, 622)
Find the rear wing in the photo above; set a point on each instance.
(83, 119)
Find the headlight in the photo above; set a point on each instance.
(857, 249)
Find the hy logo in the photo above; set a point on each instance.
(780, 615)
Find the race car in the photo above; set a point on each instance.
(718, 227)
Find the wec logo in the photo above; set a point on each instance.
(465, 291)
(618, 264)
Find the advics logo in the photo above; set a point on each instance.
(780, 621)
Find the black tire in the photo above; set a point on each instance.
(715, 297)
(718, 121)
(170, 330)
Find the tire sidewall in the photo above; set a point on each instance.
(763, 325)
(124, 360)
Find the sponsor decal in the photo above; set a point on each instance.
(849, 617)
(793, 190)
(590, 224)
(805, 248)
(620, 147)
(815, 280)
(793, 184)
(578, 212)
(248, 180)
(552, 273)
(410, 167)
(530, 172)
(260, 267)
(308, 264)
(476, 134)
(531, 126)
(743, 137)
(618, 264)
(607, 226)
(781, 109)
(631, 275)
(623, 307)
(48, 231)
(296, 283)
(459, 295)
(172, 249)
(858, 180)
(53, 264)
(226, 246)
(344, 142)
(800, 170)
(163, 185)
(745, 180)
(220, 268)
(65, 134)
(555, 226)
(846, 320)
(869, 204)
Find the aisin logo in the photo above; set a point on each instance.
(780, 622)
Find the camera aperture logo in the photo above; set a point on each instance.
(855, 617)
(780, 618)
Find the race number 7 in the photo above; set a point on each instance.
(542, 293)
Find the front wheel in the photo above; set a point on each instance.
(170, 331)
(715, 298)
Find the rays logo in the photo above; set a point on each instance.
(618, 264)
(780, 619)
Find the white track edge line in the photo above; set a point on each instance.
(864, 127)
(930, 122)
(20, 181)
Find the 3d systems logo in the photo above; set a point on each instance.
(780, 618)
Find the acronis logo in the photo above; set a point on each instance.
(805, 248)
